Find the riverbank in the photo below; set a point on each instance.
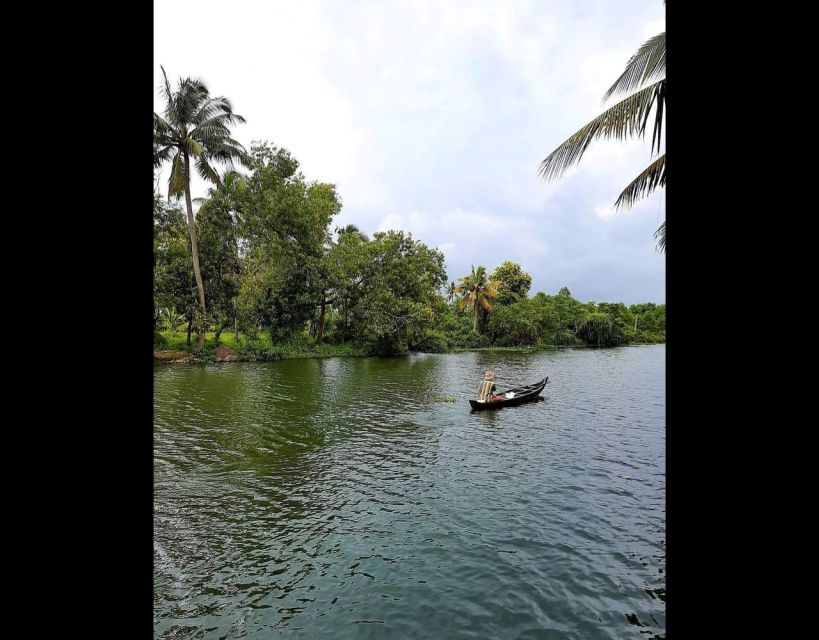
(173, 348)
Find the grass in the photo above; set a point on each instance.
(261, 347)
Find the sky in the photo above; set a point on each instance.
(432, 117)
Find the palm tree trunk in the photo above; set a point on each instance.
(321, 320)
(200, 335)
(190, 325)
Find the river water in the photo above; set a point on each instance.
(348, 498)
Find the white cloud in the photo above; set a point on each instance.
(434, 117)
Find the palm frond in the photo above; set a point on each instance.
(161, 154)
(193, 147)
(645, 65)
(650, 178)
(178, 178)
(626, 118)
(207, 172)
(659, 236)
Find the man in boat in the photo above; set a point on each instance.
(485, 394)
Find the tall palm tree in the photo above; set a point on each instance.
(645, 73)
(476, 293)
(451, 291)
(194, 125)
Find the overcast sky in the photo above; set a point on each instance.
(432, 117)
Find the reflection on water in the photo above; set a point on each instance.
(336, 498)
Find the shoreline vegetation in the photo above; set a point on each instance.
(260, 258)
(174, 349)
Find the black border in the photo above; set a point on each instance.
(107, 512)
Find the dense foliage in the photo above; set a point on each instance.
(279, 279)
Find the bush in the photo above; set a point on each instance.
(385, 346)
(566, 338)
(159, 339)
(433, 342)
(599, 330)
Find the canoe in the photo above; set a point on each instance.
(522, 394)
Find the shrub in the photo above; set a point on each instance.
(433, 342)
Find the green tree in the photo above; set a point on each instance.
(514, 283)
(285, 238)
(645, 77)
(173, 275)
(476, 293)
(195, 126)
(216, 223)
(451, 292)
(395, 296)
(347, 268)
(599, 329)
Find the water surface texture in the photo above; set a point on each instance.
(343, 498)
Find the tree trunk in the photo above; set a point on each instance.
(190, 325)
(200, 335)
(321, 320)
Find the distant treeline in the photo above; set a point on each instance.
(271, 262)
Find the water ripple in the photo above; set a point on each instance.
(328, 498)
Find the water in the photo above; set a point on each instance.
(343, 498)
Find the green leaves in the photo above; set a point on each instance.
(659, 236)
(513, 282)
(627, 118)
(197, 124)
(171, 319)
(652, 177)
(645, 65)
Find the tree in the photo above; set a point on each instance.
(599, 329)
(194, 125)
(173, 274)
(645, 73)
(451, 292)
(347, 269)
(285, 238)
(216, 224)
(514, 283)
(476, 294)
(394, 296)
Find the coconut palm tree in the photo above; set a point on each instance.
(451, 291)
(227, 193)
(194, 127)
(645, 73)
(476, 293)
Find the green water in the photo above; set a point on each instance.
(346, 498)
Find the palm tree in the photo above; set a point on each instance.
(451, 291)
(475, 293)
(646, 73)
(196, 125)
(227, 194)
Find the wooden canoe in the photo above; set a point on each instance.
(522, 394)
